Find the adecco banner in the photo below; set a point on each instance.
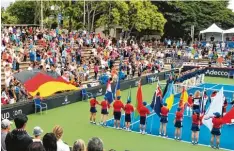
(215, 72)
(219, 72)
(10, 111)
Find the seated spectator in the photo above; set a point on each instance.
(37, 131)
(79, 145)
(95, 144)
(50, 142)
(58, 132)
(5, 129)
(18, 139)
(35, 146)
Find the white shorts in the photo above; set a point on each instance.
(12, 101)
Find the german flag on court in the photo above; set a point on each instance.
(47, 85)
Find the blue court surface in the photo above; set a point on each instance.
(153, 121)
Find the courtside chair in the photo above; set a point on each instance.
(86, 95)
(231, 73)
(39, 105)
(151, 79)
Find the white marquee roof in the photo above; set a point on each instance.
(212, 29)
(229, 31)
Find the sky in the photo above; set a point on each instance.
(5, 3)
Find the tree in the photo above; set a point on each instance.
(24, 11)
(181, 15)
(7, 18)
(139, 15)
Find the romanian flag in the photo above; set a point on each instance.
(117, 89)
(47, 85)
(139, 99)
(183, 98)
(169, 96)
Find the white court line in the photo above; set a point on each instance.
(173, 139)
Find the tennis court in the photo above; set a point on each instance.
(152, 126)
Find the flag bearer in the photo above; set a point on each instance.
(164, 120)
(144, 111)
(118, 105)
(128, 111)
(178, 123)
(93, 110)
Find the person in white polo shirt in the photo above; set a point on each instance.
(5, 128)
(61, 146)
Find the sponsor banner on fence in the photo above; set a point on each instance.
(215, 72)
(71, 97)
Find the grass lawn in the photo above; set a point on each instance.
(74, 118)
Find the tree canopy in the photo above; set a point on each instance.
(181, 15)
(171, 18)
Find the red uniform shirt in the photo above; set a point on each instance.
(217, 122)
(117, 106)
(144, 111)
(93, 102)
(105, 104)
(196, 120)
(179, 116)
(164, 111)
(128, 109)
(190, 101)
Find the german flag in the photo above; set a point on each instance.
(47, 85)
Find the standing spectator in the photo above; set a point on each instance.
(6, 127)
(50, 142)
(37, 131)
(18, 139)
(95, 144)
(58, 132)
(96, 71)
(79, 145)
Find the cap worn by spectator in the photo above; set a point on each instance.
(37, 131)
(5, 123)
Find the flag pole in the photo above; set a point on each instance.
(155, 99)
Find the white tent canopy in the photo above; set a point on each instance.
(229, 31)
(212, 29)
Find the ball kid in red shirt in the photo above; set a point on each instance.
(128, 108)
(215, 132)
(104, 111)
(144, 111)
(118, 105)
(178, 123)
(163, 120)
(196, 122)
(93, 111)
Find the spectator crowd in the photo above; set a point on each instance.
(63, 52)
(19, 139)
